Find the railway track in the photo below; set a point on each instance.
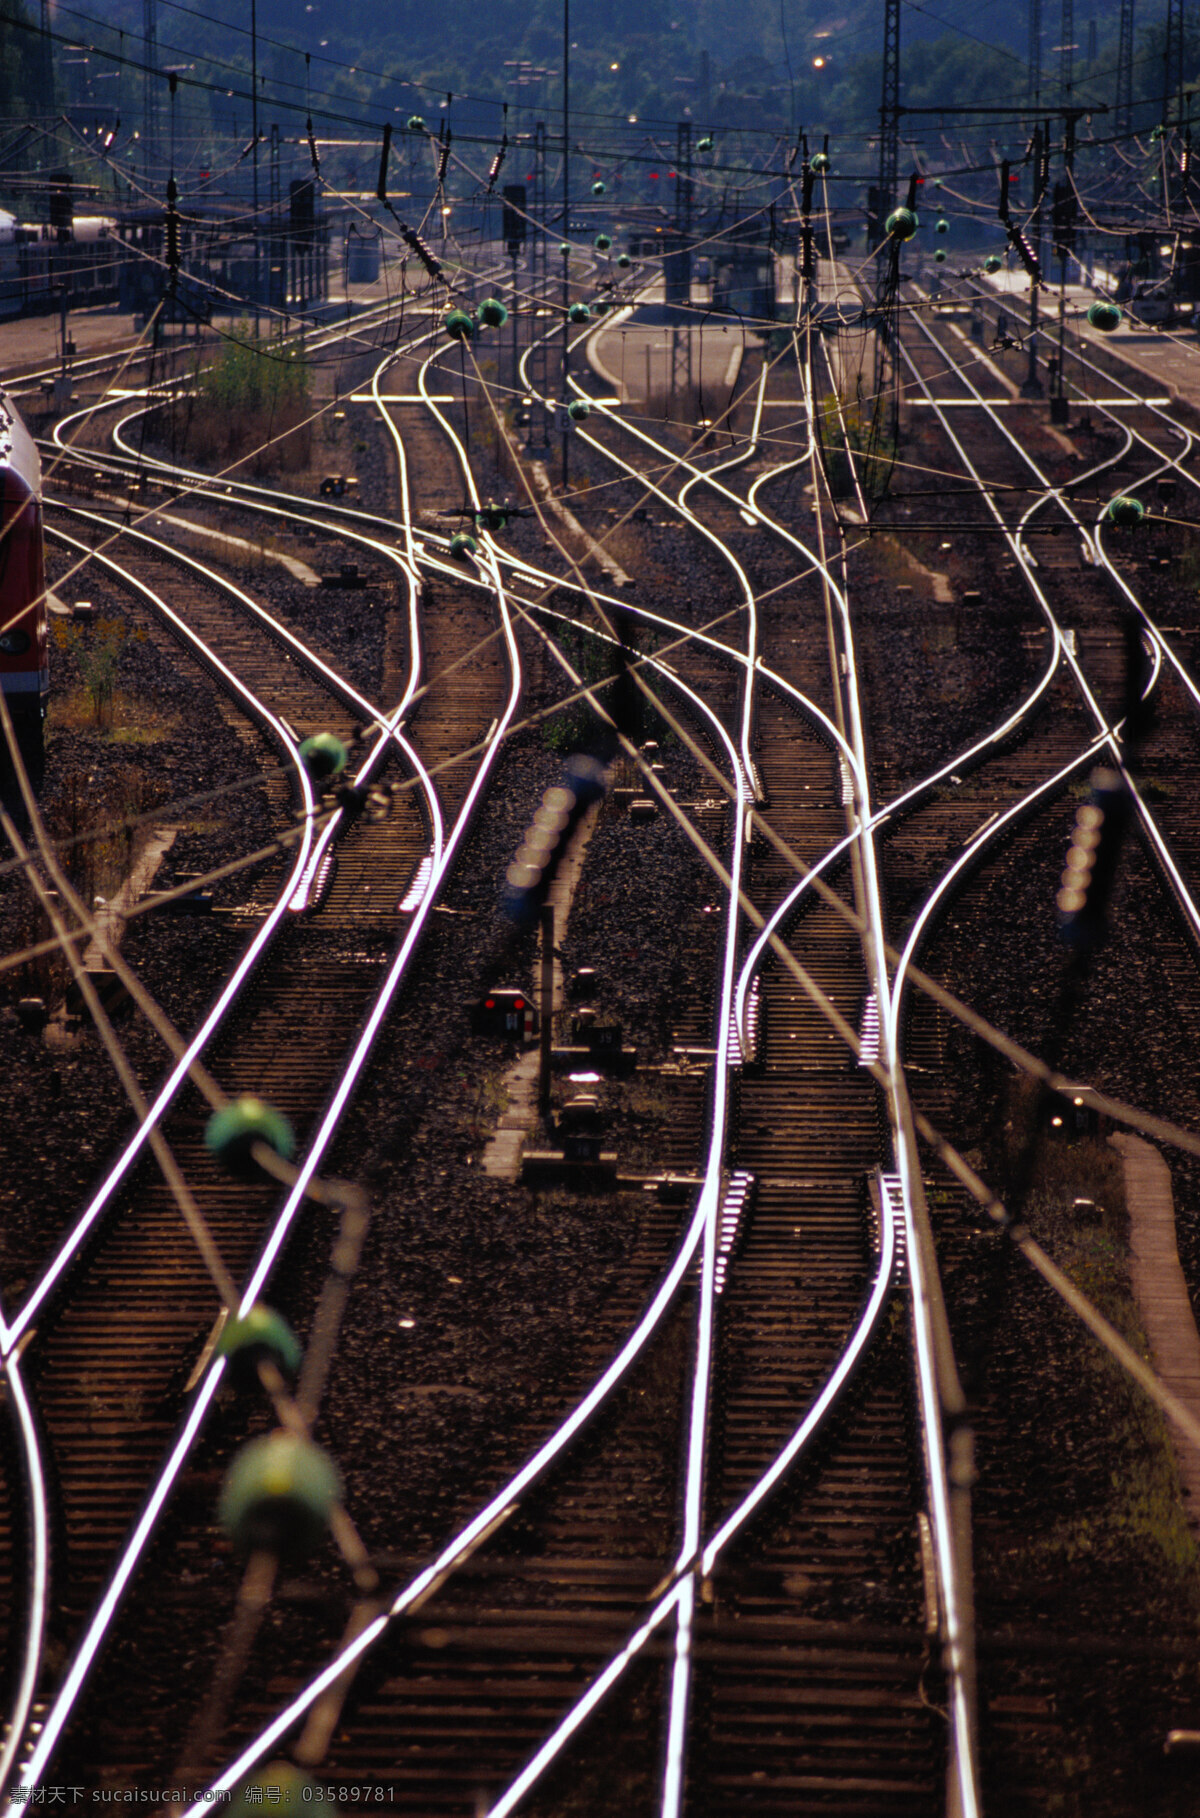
(771, 1613)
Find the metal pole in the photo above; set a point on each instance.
(516, 349)
(546, 1031)
(566, 283)
(1032, 388)
(254, 136)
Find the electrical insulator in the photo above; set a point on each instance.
(495, 167)
(443, 159)
(1025, 252)
(172, 225)
(381, 186)
(414, 240)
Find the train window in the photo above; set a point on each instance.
(14, 643)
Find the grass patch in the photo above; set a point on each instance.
(1136, 1509)
(130, 719)
(251, 405)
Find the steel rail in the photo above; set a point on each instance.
(937, 1378)
(15, 1330)
(102, 1617)
(460, 1546)
(1158, 845)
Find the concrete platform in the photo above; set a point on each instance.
(1161, 1293)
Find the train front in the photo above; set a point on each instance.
(24, 639)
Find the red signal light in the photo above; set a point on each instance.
(519, 1004)
(489, 1003)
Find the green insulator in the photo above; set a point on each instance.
(602, 242)
(937, 182)
(257, 1334)
(993, 262)
(901, 224)
(704, 144)
(579, 312)
(279, 1786)
(323, 756)
(231, 1134)
(941, 225)
(939, 257)
(601, 306)
(820, 164)
(624, 261)
(415, 123)
(1125, 512)
(579, 410)
(1105, 316)
(491, 517)
(564, 247)
(491, 313)
(598, 188)
(278, 1495)
(462, 545)
(458, 325)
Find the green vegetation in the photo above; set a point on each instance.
(857, 433)
(251, 407)
(97, 652)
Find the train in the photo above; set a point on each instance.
(38, 264)
(24, 631)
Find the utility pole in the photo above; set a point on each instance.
(1035, 54)
(1067, 51)
(254, 152)
(538, 367)
(566, 264)
(1064, 244)
(150, 96)
(1124, 101)
(46, 84)
(1032, 388)
(889, 158)
(681, 337)
(1173, 64)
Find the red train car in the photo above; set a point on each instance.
(24, 638)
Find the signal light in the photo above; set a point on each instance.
(546, 838)
(1088, 875)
